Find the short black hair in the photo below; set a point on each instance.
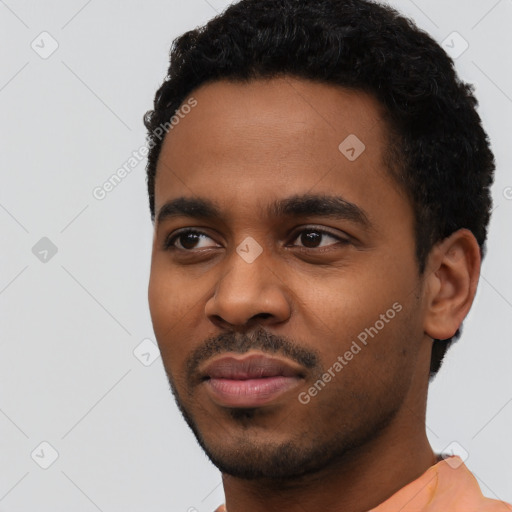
(437, 149)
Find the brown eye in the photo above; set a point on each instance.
(312, 237)
(187, 239)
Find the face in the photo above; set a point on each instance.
(286, 299)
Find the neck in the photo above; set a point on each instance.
(359, 481)
(362, 480)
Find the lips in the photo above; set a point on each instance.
(249, 381)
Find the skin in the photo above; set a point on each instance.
(243, 146)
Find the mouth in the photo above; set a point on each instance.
(249, 381)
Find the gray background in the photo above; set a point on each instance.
(72, 371)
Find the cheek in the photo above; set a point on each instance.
(345, 300)
(160, 300)
(168, 306)
(363, 307)
(169, 295)
(371, 361)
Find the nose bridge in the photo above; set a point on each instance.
(248, 287)
(247, 270)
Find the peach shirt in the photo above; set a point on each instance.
(448, 486)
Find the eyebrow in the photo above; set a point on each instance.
(306, 205)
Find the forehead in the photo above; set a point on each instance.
(244, 143)
(280, 113)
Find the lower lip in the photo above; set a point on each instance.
(250, 392)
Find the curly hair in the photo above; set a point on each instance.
(437, 149)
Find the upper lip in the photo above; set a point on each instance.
(254, 366)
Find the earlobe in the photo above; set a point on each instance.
(450, 285)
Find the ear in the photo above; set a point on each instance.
(451, 279)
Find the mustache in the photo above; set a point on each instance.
(241, 343)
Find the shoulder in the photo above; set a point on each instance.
(460, 483)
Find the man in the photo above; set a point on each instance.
(319, 182)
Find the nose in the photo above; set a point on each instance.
(248, 293)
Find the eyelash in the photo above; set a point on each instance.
(169, 242)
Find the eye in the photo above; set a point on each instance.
(187, 238)
(309, 237)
